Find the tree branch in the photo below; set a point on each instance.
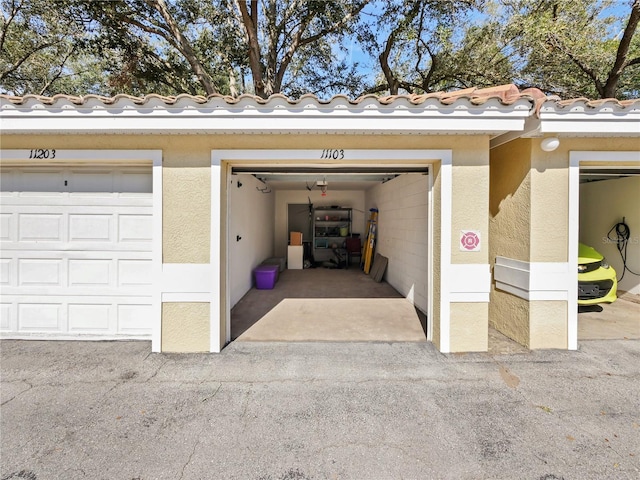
(25, 57)
(183, 45)
(623, 50)
(557, 43)
(7, 22)
(60, 70)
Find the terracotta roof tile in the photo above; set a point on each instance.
(476, 97)
(506, 94)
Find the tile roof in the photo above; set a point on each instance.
(505, 94)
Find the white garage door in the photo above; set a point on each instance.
(76, 252)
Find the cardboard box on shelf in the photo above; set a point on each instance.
(295, 238)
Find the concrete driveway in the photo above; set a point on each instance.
(301, 411)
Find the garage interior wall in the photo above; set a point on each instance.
(344, 198)
(602, 205)
(251, 231)
(403, 234)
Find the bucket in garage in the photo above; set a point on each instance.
(344, 231)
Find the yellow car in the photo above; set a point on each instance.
(597, 282)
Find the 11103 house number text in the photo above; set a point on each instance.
(333, 154)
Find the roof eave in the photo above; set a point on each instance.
(590, 118)
(454, 121)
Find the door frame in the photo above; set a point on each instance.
(584, 158)
(222, 162)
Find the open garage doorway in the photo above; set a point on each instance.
(327, 296)
(608, 227)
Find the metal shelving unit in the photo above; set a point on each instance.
(331, 227)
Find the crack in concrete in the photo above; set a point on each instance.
(157, 371)
(193, 451)
(19, 393)
(197, 442)
(245, 408)
(205, 399)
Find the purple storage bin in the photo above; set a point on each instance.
(266, 276)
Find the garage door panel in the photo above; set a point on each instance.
(97, 182)
(134, 318)
(5, 316)
(134, 272)
(120, 200)
(5, 271)
(93, 227)
(7, 229)
(135, 228)
(37, 227)
(40, 183)
(82, 272)
(91, 318)
(41, 317)
(90, 273)
(40, 272)
(76, 252)
(92, 315)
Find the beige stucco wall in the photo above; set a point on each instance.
(185, 327)
(549, 205)
(469, 211)
(470, 198)
(529, 221)
(510, 227)
(509, 203)
(187, 202)
(548, 324)
(469, 330)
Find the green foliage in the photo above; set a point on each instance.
(39, 49)
(571, 48)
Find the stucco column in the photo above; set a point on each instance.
(469, 276)
(529, 228)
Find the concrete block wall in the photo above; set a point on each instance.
(403, 234)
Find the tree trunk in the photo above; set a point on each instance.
(611, 86)
(250, 22)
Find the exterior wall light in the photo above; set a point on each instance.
(549, 144)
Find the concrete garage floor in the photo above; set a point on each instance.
(619, 320)
(348, 306)
(321, 304)
(334, 305)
